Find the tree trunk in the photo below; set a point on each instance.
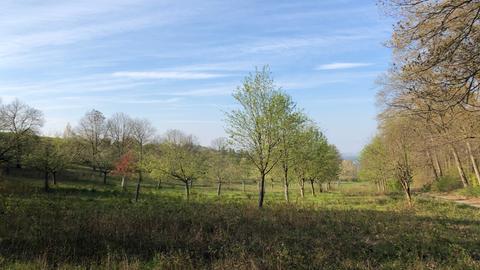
(437, 164)
(474, 162)
(54, 177)
(123, 183)
(459, 167)
(137, 192)
(313, 187)
(320, 187)
(219, 187)
(302, 188)
(261, 192)
(408, 194)
(187, 189)
(191, 183)
(46, 187)
(104, 178)
(243, 186)
(159, 184)
(285, 183)
(432, 164)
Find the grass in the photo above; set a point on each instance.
(86, 225)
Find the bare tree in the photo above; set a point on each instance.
(92, 129)
(20, 122)
(119, 127)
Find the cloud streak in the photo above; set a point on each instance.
(342, 65)
(179, 75)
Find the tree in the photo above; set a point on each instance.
(92, 129)
(63, 154)
(436, 44)
(19, 123)
(181, 159)
(374, 165)
(119, 127)
(125, 167)
(291, 122)
(44, 158)
(255, 126)
(105, 159)
(349, 170)
(142, 132)
(220, 163)
(303, 155)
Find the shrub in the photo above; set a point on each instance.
(446, 183)
(470, 191)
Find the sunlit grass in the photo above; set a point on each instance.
(89, 225)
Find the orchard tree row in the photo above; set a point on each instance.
(268, 137)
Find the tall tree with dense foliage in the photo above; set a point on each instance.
(374, 165)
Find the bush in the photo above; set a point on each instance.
(446, 183)
(470, 191)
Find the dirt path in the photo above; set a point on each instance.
(474, 202)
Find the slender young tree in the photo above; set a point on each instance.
(142, 132)
(255, 126)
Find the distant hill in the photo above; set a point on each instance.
(352, 157)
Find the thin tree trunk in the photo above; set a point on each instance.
(408, 194)
(46, 187)
(187, 189)
(54, 177)
(474, 162)
(302, 188)
(437, 164)
(104, 178)
(123, 183)
(137, 192)
(243, 186)
(458, 163)
(219, 187)
(261, 193)
(432, 164)
(384, 185)
(285, 183)
(159, 184)
(313, 187)
(320, 187)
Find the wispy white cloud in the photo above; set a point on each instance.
(342, 65)
(179, 75)
(147, 101)
(282, 44)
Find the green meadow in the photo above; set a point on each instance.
(89, 225)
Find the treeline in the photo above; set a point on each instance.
(268, 137)
(429, 124)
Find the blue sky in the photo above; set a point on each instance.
(177, 62)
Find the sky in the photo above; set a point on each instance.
(177, 62)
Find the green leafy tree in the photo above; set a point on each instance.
(182, 159)
(255, 126)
